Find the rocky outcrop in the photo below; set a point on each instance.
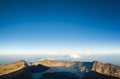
(107, 69)
(83, 66)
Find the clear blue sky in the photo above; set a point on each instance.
(92, 25)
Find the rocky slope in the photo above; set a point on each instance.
(12, 67)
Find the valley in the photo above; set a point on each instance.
(47, 68)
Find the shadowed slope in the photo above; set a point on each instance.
(95, 75)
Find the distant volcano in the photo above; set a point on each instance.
(74, 57)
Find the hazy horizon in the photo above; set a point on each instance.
(113, 58)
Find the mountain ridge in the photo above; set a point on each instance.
(49, 66)
(12, 67)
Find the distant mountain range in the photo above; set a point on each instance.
(56, 69)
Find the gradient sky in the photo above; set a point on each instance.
(59, 26)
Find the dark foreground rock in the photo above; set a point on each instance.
(38, 68)
(95, 75)
(21, 74)
(59, 75)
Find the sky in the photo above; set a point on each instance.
(60, 27)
